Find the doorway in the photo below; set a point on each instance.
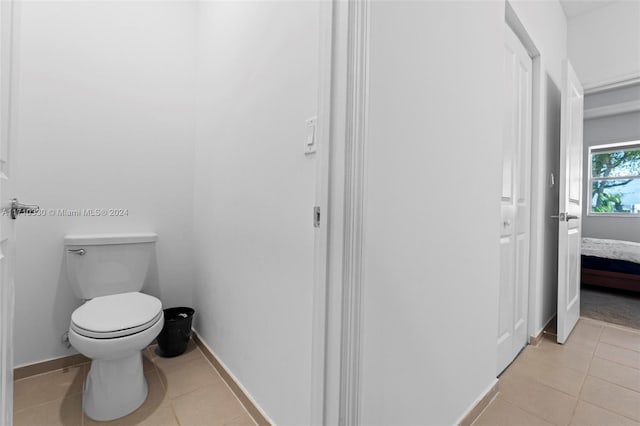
(515, 204)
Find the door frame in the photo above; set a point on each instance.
(7, 66)
(538, 181)
(349, 55)
(356, 123)
(525, 287)
(321, 234)
(349, 93)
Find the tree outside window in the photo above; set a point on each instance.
(615, 179)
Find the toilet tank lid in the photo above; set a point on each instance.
(102, 239)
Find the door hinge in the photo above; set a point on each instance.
(316, 216)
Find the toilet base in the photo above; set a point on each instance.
(114, 387)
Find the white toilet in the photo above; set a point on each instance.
(116, 321)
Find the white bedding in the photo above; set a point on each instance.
(611, 249)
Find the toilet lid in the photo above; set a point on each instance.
(116, 315)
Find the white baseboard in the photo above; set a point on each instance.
(478, 406)
(218, 363)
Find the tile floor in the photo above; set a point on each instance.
(592, 380)
(186, 390)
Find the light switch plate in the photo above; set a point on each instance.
(310, 146)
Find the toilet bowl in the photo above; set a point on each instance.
(114, 325)
(112, 331)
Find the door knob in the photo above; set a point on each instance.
(17, 208)
(564, 217)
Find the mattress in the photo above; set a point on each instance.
(626, 251)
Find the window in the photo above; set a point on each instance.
(615, 179)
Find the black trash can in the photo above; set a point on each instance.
(175, 335)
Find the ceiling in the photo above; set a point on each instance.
(574, 8)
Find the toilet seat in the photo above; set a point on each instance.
(116, 315)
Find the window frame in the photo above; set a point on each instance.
(601, 149)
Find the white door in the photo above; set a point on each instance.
(570, 227)
(515, 202)
(6, 224)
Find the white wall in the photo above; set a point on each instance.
(432, 196)
(105, 118)
(604, 44)
(254, 193)
(431, 210)
(253, 240)
(545, 23)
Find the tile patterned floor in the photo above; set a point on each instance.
(186, 390)
(592, 380)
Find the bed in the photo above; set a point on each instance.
(611, 263)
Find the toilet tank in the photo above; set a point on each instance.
(100, 265)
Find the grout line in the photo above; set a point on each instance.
(162, 384)
(533, 413)
(576, 397)
(259, 416)
(618, 346)
(51, 371)
(164, 388)
(538, 382)
(604, 380)
(536, 415)
(614, 383)
(620, 328)
(40, 404)
(84, 382)
(227, 385)
(495, 397)
(215, 371)
(616, 362)
(549, 362)
(608, 410)
(584, 379)
(485, 408)
(70, 395)
(596, 404)
(173, 411)
(585, 374)
(612, 325)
